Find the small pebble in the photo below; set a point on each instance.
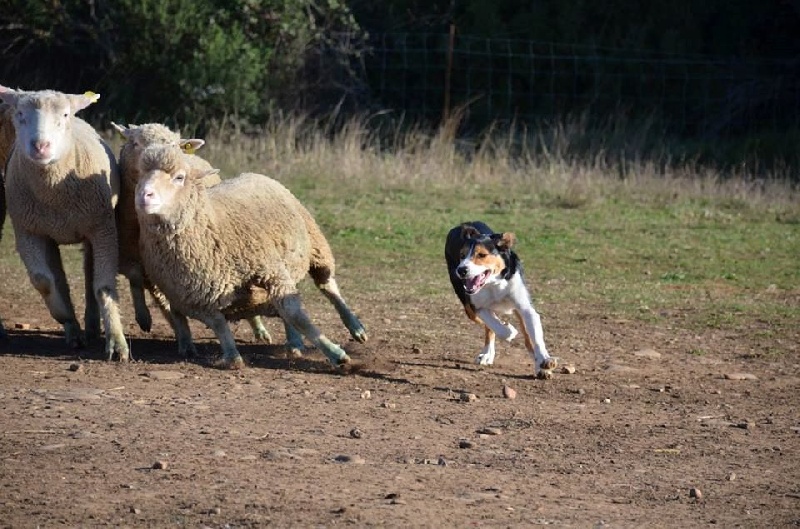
(465, 443)
(136, 510)
(366, 394)
(22, 326)
(606, 401)
(568, 369)
(75, 366)
(468, 397)
(490, 431)
(389, 405)
(442, 462)
(509, 392)
(696, 493)
(160, 465)
(740, 376)
(732, 476)
(355, 433)
(416, 350)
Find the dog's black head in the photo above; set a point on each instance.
(484, 258)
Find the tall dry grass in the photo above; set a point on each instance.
(567, 163)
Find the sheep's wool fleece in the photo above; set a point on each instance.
(232, 246)
(68, 199)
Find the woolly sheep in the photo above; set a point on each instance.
(6, 143)
(61, 184)
(137, 138)
(198, 247)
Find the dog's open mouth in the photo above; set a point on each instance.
(473, 284)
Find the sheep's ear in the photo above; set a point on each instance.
(123, 131)
(209, 173)
(9, 95)
(191, 145)
(79, 102)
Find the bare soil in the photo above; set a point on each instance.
(399, 443)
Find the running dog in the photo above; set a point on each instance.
(486, 275)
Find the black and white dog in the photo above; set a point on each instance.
(487, 277)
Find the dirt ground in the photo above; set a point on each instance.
(648, 416)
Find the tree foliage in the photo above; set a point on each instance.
(184, 61)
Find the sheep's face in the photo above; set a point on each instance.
(158, 192)
(42, 121)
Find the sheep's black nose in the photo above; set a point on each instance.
(461, 271)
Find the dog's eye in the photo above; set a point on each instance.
(482, 255)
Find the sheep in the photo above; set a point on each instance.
(137, 137)
(198, 246)
(61, 184)
(7, 138)
(3, 334)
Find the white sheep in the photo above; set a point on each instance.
(7, 138)
(199, 247)
(61, 187)
(137, 138)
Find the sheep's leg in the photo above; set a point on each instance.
(231, 358)
(294, 341)
(260, 332)
(290, 308)
(105, 254)
(43, 262)
(91, 316)
(182, 334)
(137, 283)
(350, 320)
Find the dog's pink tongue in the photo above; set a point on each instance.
(472, 282)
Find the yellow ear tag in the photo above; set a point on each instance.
(91, 95)
(187, 148)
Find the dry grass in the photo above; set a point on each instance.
(564, 165)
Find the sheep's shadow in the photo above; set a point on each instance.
(157, 350)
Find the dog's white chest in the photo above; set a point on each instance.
(497, 296)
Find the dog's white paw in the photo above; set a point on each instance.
(486, 357)
(545, 367)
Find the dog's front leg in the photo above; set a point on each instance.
(504, 331)
(486, 356)
(534, 342)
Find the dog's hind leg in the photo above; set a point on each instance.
(532, 325)
(486, 356)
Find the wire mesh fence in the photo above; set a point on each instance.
(427, 75)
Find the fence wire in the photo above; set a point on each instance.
(527, 81)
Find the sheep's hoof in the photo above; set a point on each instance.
(230, 363)
(260, 333)
(341, 362)
(118, 348)
(145, 321)
(294, 352)
(360, 335)
(73, 335)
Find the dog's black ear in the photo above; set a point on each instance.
(469, 232)
(504, 241)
